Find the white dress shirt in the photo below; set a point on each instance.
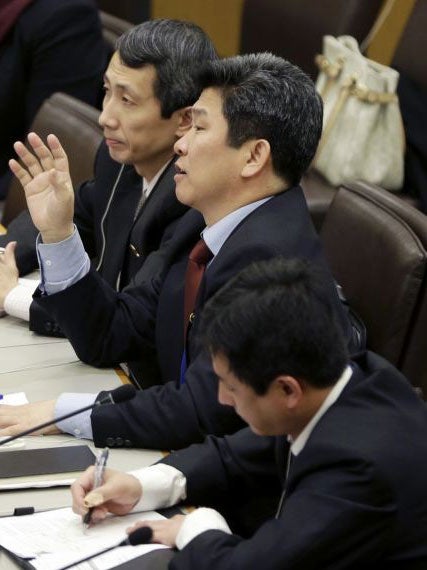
(164, 486)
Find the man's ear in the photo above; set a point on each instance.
(290, 390)
(184, 121)
(257, 155)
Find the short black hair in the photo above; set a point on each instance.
(265, 96)
(274, 318)
(177, 49)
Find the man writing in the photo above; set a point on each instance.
(130, 207)
(255, 130)
(348, 481)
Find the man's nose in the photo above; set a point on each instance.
(181, 146)
(107, 117)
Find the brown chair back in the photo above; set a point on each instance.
(112, 28)
(376, 246)
(76, 125)
(294, 29)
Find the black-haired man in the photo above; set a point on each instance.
(351, 491)
(130, 206)
(255, 129)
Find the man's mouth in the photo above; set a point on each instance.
(111, 140)
(179, 170)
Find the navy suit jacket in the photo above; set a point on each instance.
(355, 496)
(106, 327)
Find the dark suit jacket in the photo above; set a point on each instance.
(54, 46)
(356, 493)
(106, 327)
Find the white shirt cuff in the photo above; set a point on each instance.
(79, 425)
(62, 264)
(19, 299)
(199, 521)
(162, 486)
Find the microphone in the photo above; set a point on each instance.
(117, 396)
(141, 535)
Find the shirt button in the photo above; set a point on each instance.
(77, 432)
(48, 262)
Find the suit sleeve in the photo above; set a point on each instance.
(106, 327)
(337, 515)
(84, 216)
(168, 416)
(23, 231)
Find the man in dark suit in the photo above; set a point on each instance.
(130, 206)
(255, 130)
(45, 46)
(348, 481)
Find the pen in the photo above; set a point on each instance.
(100, 464)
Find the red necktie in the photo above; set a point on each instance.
(199, 257)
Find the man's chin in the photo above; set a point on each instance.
(181, 195)
(118, 156)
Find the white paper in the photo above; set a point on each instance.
(15, 399)
(53, 539)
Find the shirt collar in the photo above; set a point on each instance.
(298, 444)
(217, 234)
(147, 187)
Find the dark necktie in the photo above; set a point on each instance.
(199, 257)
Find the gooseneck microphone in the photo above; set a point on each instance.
(142, 535)
(117, 396)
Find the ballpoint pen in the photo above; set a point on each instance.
(100, 464)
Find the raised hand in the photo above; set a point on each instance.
(45, 177)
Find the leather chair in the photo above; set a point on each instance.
(130, 10)
(294, 29)
(76, 125)
(112, 28)
(376, 246)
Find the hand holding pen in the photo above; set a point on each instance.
(100, 464)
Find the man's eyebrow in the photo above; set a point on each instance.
(124, 87)
(197, 111)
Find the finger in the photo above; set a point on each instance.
(21, 174)
(79, 490)
(11, 430)
(42, 151)
(9, 254)
(136, 525)
(98, 514)
(61, 183)
(30, 161)
(155, 526)
(58, 153)
(7, 416)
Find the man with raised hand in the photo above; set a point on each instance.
(255, 130)
(130, 206)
